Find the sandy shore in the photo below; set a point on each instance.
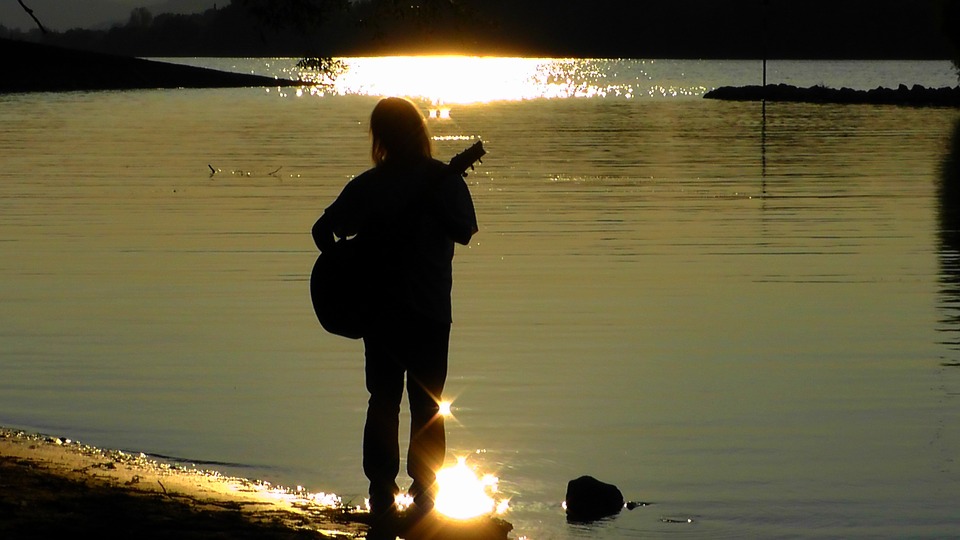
(52, 486)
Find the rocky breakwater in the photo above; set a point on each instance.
(903, 95)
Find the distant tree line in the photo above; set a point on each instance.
(950, 19)
(901, 29)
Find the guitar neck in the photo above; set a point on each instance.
(466, 159)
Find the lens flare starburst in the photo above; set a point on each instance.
(446, 409)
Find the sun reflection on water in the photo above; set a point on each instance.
(457, 80)
(464, 494)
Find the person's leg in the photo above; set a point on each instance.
(425, 380)
(381, 448)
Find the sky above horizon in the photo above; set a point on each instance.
(61, 15)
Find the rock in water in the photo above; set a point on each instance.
(589, 499)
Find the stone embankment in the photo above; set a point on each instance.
(903, 95)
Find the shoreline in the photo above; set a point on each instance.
(32, 67)
(51, 486)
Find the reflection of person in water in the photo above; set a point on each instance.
(410, 212)
(948, 195)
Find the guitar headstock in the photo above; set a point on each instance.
(466, 159)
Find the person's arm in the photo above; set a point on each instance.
(342, 218)
(323, 235)
(456, 209)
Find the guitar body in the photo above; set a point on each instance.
(340, 291)
(340, 281)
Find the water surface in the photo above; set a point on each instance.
(749, 323)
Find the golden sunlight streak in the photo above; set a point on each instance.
(456, 80)
(462, 494)
(439, 79)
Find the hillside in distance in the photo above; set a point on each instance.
(814, 29)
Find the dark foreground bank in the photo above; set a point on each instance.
(31, 67)
(55, 488)
(903, 95)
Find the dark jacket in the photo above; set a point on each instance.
(409, 216)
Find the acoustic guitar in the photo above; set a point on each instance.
(337, 286)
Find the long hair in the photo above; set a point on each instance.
(399, 132)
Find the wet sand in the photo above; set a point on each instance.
(51, 486)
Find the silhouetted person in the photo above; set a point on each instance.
(410, 211)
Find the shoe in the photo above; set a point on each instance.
(423, 503)
(385, 522)
(419, 510)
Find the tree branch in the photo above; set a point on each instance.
(32, 16)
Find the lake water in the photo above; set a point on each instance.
(750, 322)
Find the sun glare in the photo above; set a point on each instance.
(440, 79)
(446, 409)
(456, 80)
(446, 82)
(463, 495)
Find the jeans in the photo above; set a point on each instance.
(418, 348)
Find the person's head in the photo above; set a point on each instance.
(399, 131)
